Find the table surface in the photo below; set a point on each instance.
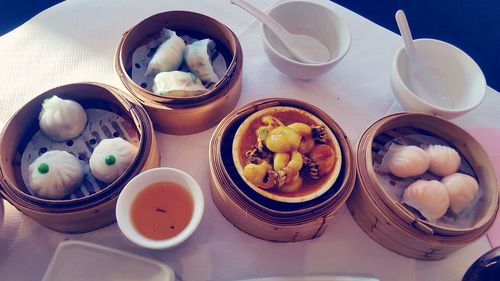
(75, 41)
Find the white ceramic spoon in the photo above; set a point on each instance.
(421, 80)
(304, 48)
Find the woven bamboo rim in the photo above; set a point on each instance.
(392, 225)
(344, 177)
(262, 221)
(465, 143)
(147, 144)
(170, 115)
(180, 20)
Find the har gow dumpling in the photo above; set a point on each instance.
(405, 161)
(61, 119)
(462, 189)
(111, 158)
(430, 198)
(168, 56)
(55, 174)
(177, 84)
(197, 57)
(444, 160)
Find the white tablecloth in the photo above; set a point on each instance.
(75, 41)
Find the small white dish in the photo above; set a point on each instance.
(459, 74)
(312, 19)
(139, 183)
(84, 261)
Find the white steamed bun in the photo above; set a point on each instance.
(111, 158)
(55, 174)
(61, 119)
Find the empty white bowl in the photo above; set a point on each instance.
(306, 18)
(458, 73)
(139, 183)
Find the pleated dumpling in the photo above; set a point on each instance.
(444, 160)
(430, 198)
(462, 190)
(169, 54)
(198, 58)
(111, 158)
(61, 119)
(55, 174)
(177, 84)
(405, 161)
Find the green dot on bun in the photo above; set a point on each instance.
(43, 168)
(110, 160)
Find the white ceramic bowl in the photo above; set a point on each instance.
(309, 18)
(459, 74)
(145, 179)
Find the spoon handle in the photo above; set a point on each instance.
(278, 30)
(420, 79)
(404, 28)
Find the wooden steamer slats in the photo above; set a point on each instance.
(393, 225)
(74, 215)
(184, 115)
(260, 218)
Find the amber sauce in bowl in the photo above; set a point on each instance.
(162, 210)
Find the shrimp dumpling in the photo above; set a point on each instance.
(111, 158)
(61, 119)
(462, 189)
(405, 161)
(430, 198)
(444, 160)
(55, 174)
(197, 57)
(168, 56)
(177, 84)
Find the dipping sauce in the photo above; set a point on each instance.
(162, 210)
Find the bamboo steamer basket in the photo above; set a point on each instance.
(184, 115)
(260, 216)
(393, 225)
(85, 213)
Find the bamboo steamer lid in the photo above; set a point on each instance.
(86, 212)
(184, 115)
(392, 224)
(273, 220)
